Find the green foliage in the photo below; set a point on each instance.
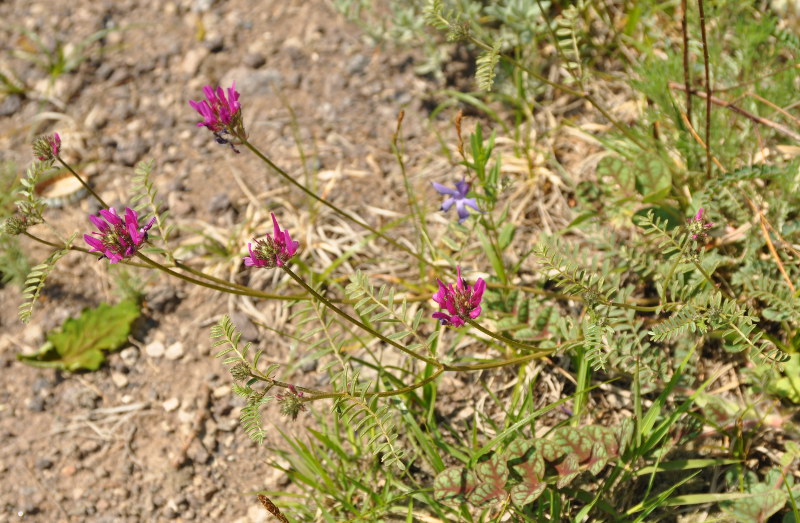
(788, 385)
(225, 335)
(527, 467)
(60, 58)
(80, 342)
(144, 199)
(762, 499)
(371, 421)
(486, 64)
(34, 283)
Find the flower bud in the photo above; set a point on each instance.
(291, 404)
(240, 371)
(46, 148)
(16, 225)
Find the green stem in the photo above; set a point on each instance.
(500, 337)
(359, 323)
(383, 394)
(251, 292)
(331, 206)
(499, 363)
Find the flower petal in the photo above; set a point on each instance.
(441, 189)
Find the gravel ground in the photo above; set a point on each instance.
(153, 435)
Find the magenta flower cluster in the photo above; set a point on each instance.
(47, 147)
(218, 111)
(698, 226)
(273, 251)
(460, 303)
(116, 239)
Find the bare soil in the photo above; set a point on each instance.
(153, 435)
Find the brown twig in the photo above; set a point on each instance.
(758, 119)
(708, 86)
(686, 73)
(781, 110)
(770, 246)
(761, 219)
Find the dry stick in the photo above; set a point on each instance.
(708, 87)
(770, 246)
(781, 110)
(758, 119)
(753, 207)
(686, 74)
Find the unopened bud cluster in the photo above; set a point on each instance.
(291, 403)
(46, 148)
(15, 225)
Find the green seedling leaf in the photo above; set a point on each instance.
(454, 484)
(568, 469)
(492, 475)
(526, 464)
(573, 441)
(621, 171)
(549, 450)
(80, 342)
(788, 386)
(764, 502)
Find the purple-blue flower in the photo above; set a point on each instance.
(457, 197)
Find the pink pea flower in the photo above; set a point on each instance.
(698, 226)
(222, 114)
(47, 147)
(117, 239)
(460, 303)
(273, 251)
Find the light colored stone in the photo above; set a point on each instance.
(129, 355)
(119, 379)
(174, 351)
(171, 404)
(186, 417)
(221, 391)
(155, 349)
(193, 60)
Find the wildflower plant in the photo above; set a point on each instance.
(222, 115)
(117, 239)
(626, 298)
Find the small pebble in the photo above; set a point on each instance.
(119, 379)
(222, 391)
(171, 404)
(35, 404)
(254, 60)
(155, 349)
(174, 351)
(130, 356)
(44, 464)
